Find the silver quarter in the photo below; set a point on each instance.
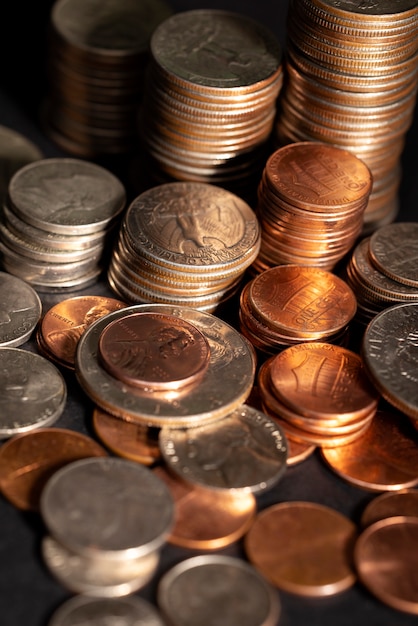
(20, 310)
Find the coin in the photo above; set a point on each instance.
(393, 250)
(20, 312)
(390, 504)
(314, 560)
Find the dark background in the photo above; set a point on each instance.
(28, 593)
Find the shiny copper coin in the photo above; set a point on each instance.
(385, 558)
(383, 459)
(64, 323)
(28, 460)
(322, 380)
(136, 442)
(207, 519)
(303, 548)
(154, 351)
(391, 504)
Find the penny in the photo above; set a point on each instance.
(244, 451)
(206, 519)
(384, 458)
(63, 324)
(95, 611)
(228, 590)
(385, 560)
(126, 439)
(20, 310)
(154, 351)
(390, 504)
(303, 548)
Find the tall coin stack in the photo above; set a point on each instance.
(98, 52)
(210, 101)
(311, 202)
(351, 81)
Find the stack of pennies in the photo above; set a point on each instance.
(98, 52)
(210, 101)
(57, 221)
(311, 202)
(184, 243)
(290, 304)
(352, 81)
(105, 539)
(63, 324)
(165, 365)
(318, 393)
(382, 269)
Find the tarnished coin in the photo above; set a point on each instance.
(63, 324)
(224, 386)
(385, 560)
(122, 512)
(390, 354)
(228, 590)
(314, 560)
(244, 451)
(154, 351)
(28, 460)
(32, 392)
(131, 610)
(391, 504)
(20, 310)
(206, 519)
(68, 196)
(394, 251)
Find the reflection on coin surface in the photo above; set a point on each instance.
(122, 512)
(214, 589)
(32, 392)
(385, 557)
(28, 460)
(384, 458)
(20, 310)
(391, 504)
(390, 353)
(245, 450)
(128, 611)
(206, 519)
(303, 548)
(154, 351)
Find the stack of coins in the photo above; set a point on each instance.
(211, 95)
(98, 52)
(382, 270)
(352, 82)
(288, 304)
(94, 547)
(165, 365)
(318, 393)
(63, 324)
(311, 202)
(184, 243)
(56, 223)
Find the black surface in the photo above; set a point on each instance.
(28, 592)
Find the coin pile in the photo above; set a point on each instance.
(98, 52)
(210, 98)
(351, 81)
(59, 215)
(382, 270)
(105, 539)
(184, 243)
(319, 393)
(311, 202)
(165, 365)
(289, 304)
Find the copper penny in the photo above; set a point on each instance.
(303, 548)
(385, 557)
(391, 504)
(65, 322)
(28, 460)
(154, 351)
(136, 442)
(207, 519)
(384, 458)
